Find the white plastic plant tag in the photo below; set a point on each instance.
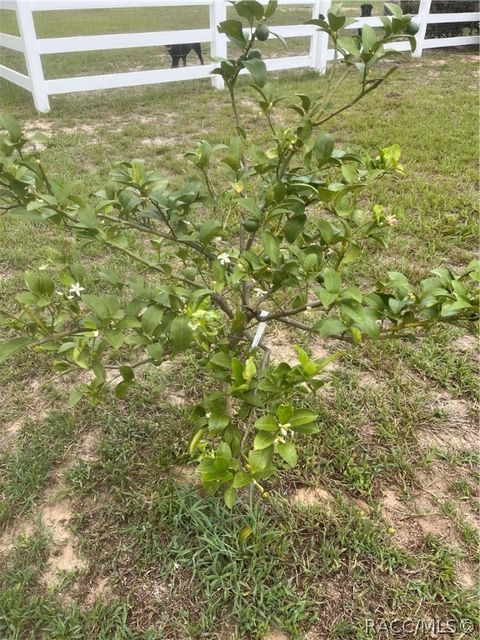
(260, 330)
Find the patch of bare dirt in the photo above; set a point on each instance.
(38, 125)
(366, 430)
(470, 57)
(321, 349)
(337, 594)
(281, 347)
(6, 271)
(151, 597)
(186, 474)
(55, 516)
(275, 634)
(411, 523)
(157, 141)
(308, 497)
(437, 61)
(100, 590)
(10, 430)
(469, 345)
(466, 574)
(20, 527)
(87, 446)
(35, 408)
(458, 429)
(177, 399)
(367, 379)
(403, 528)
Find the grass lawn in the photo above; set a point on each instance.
(104, 534)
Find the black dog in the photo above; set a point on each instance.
(181, 51)
(366, 10)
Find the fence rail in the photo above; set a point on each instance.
(319, 54)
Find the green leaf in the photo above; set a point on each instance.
(115, 338)
(294, 227)
(75, 397)
(241, 479)
(11, 125)
(224, 452)
(307, 429)
(39, 283)
(267, 423)
(209, 230)
(97, 305)
(369, 37)
(181, 333)
(325, 297)
(233, 29)
(11, 347)
(303, 416)
(258, 460)
(194, 442)
(249, 9)
(258, 70)
(263, 439)
(271, 8)
(250, 370)
(395, 9)
(323, 147)
(121, 389)
(245, 533)
(230, 497)
(87, 218)
(220, 360)
(351, 254)
(288, 452)
(155, 351)
(332, 280)
(151, 319)
(127, 373)
(271, 246)
(284, 413)
(335, 21)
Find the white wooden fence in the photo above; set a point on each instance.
(33, 47)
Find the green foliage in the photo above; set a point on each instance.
(263, 236)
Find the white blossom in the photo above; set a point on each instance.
(224, 259)
(391, 220)
(260, 292)
(75, 290)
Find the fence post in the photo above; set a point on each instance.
(218, 13)
(319, 42)
(423, 13)
(33, 60)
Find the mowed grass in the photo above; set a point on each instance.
(104, 535)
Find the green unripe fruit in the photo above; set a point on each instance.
(251, 224)
(262, 32)
(412, 28)
(254, 53)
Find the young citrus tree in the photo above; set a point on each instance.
(264, 235)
